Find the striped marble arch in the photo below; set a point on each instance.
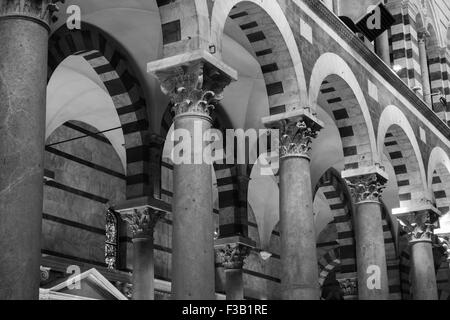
(111, 62)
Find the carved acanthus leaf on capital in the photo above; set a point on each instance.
(142, 221)
(296, 138)
(194, 88)
(419, 226)
(366, 187)
(418, 232)
(232, 256)
(349, 286)
(41, 10)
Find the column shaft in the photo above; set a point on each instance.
(193, 228)
(370, 251)
(23, 80)
(143, 269)
(425, 73)
(234, 286)
(299, 271)
(423, 272)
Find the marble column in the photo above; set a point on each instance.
(24, 31)
(194, 82)
(366, 186)
(419, 223)
(142, 215)
(299, 269)
(231, 254)
(424, 67)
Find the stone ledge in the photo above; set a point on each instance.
(189, 57)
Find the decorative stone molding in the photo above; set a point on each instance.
(349, 286)
(419, 222)
(194, 81)
(232, 256)
(45, 273)
(296, 139)
(142, 214)
(142, 221)
(418, 232)
(297, 128)
(40, 10)
(232, 252)
(112, 239)
(366, 184)
(423, 35)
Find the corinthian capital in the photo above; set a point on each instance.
(419, 221)
(194, 81)
(232, 256)
(366, 184)
(40, 10)
(423, 34)
(297, 131)
(232, 252)
(142, 221)
(142, 214)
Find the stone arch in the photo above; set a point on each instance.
(274, 45)
(263, 198)
(434, 21)
(439, 182)
(433, 41)
(437, 157)
(334, 82)
(340, 205)
(114, 66)
(396, 138)
(83, 179)
(328, 263)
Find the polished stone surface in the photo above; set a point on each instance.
(370, 252)
(423, 273)
(23, 79)
(299, 269)
(193, 229)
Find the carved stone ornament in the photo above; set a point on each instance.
(232, 256)
(112, 239)
(142, 221)
(349, 286)
(40, 10)
(366, 187)
(419, 226)
(419, 232)
(45, 273)
(296, 138)
(193, 88)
